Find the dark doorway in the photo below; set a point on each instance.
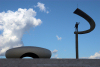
(29, 55)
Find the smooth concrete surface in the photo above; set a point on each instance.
(49, 62)
(30, 51)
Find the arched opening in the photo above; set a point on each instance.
(29, 55)
(27, 58)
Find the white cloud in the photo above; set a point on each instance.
(55, 51)
(55, 56)
(42, 7)
(47, 12)
(3, 50)
(14, 24)
(95, 56)
(59, 38)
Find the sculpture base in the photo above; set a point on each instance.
(49, 62)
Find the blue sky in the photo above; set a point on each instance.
(57, 20)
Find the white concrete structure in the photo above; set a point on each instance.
(30, 51)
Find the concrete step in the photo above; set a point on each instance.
(49, 63)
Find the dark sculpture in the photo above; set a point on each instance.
(76, 26)
(86, 17)
(91, 22)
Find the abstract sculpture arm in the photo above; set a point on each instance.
(88, 18)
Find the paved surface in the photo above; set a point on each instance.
(49, 63)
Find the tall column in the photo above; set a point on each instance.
(77, 44)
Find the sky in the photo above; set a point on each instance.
(50, 24)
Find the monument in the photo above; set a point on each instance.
(37, 52)
(43, 55)
(91, 22)
(28, 51)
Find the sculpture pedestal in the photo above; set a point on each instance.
(49, 62)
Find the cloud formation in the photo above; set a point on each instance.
(14, 24)
(59, 38)
(95, 56)
(56, 55)
(42, 7)
(55, 51)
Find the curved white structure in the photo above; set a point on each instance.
(30, 51)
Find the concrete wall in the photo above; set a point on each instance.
(49, 63)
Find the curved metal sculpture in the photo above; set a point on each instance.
(92, 26)
(86, 17)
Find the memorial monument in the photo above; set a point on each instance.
(90, 21)
(38, 52)
(28, 51)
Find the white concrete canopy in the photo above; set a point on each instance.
(28, 51)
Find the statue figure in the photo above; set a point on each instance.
(76, 26)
